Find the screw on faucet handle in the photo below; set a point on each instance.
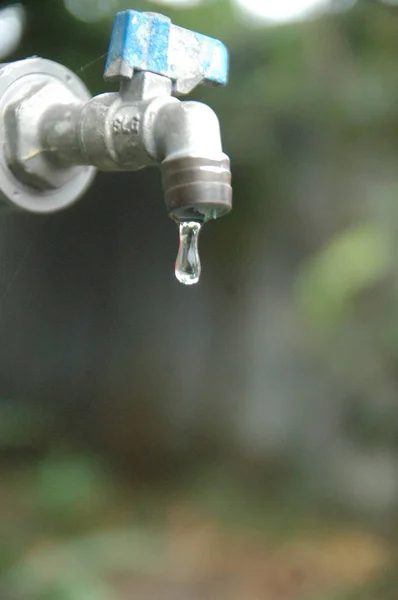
(145, 41)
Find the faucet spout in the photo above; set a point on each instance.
(195, 171)
(187, 129)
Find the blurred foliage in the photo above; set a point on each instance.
(352, 262)
(192, 539)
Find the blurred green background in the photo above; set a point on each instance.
(237, 440)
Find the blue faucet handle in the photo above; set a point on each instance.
(145, 41)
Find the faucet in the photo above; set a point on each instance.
(56, 136)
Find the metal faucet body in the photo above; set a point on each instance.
(56, 136)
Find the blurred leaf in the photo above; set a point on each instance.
(77, 591)
(71, 488)
(352, 262)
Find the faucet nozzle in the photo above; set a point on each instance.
(196, 172)
(197, 189)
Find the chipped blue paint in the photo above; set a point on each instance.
(140, 40)
(158, 46)
(149, 42)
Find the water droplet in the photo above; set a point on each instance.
(187, 267)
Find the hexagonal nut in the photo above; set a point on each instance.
(27, 158)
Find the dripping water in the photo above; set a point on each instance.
(187, 267)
